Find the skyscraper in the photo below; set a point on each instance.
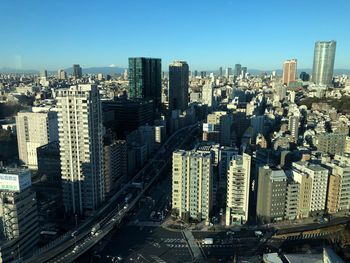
(238, 181)
(81, 147)
(324, 56)
(178, 85)
(77, 71)
(238, 69)
(192, 183)
(289, 71)
(228, 72)
(145, 79)
(220, 72)
(34, 129)
(244, 72)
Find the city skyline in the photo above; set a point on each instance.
(218, 35)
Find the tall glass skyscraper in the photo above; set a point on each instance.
(145, 79)
(178, 85)
(322, 72)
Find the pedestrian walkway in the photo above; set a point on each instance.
(196, 252)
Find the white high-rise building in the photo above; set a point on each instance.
(293, 126)
(208, 94)
(81, 147)
(192, 183)
(238, 178)
(35, 129)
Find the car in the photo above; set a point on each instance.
(229, 233)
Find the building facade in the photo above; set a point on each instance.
(271, 197)
(145, 79)
(34, 129)
(18, 214)
(289, 71)
(81, 147)
(238, 187)
(323, 65)
(178, 85)
(192, 185)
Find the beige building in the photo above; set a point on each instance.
(192, 183)
(313, 180)
(35, 129)
(338, 197)
(238, 187)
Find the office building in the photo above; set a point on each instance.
(145, 79)
(61, 74)
(228, 72)
(323, 65)
(313, 180)
(49, 166)
(289, 71)
(192, 174)
(81, 147)
(218, 127)
(34, 129)
(244, 72)
(271, 197)
(238, 187)
(18, 214)
(238, 70)
(304, 76)
(125, 115)
(115, 164)
(77, 71)
(332, 143)
(178, 85)
(220, 72)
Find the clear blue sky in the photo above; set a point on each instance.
(260, 34)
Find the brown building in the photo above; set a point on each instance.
(289, 71)
(333, 193)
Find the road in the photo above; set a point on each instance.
(76, 242)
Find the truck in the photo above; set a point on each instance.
(208, 241)
(128, 198)
(95, 228)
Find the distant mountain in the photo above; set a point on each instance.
(96, 70)
(92, 70)
(18, 71)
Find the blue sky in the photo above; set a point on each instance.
(259, 34)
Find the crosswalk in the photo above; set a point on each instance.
(308, 236)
